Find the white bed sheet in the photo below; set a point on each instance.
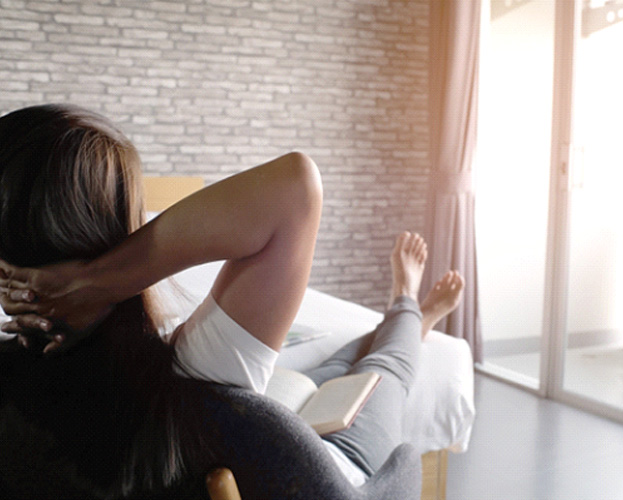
(442, 413)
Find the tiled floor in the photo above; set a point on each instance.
(527, 448)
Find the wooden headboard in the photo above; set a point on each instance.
(162, 192)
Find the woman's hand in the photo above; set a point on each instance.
(59, 302)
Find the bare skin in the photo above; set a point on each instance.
(442, 299)
(408, 260)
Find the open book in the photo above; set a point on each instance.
(329, 408)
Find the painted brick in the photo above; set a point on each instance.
(76, 19)
(209, 87)
(12, 24)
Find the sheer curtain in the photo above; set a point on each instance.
(454, 47)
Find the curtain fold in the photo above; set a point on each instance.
(449, 232)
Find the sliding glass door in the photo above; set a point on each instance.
(592, 368)
(550, 200)
(512, 184)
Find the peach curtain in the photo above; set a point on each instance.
(454, 47)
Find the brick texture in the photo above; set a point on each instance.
(210, 87)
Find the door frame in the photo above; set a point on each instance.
(568, 31)
(553, 340)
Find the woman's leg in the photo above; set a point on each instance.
(271, 216)
(377, 430)
(394, 354)
(342, 361)
(440, 301)
(407, 260)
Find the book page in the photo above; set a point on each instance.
(290, 388)
(337, 402)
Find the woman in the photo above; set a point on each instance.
(75, 282)
(70, 188)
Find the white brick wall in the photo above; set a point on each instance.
(210, 87)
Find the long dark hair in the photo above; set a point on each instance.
(70, 188)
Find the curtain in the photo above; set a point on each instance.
(449, 231)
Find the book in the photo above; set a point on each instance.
(329, 408)
(302, 333)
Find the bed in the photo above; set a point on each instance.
(441, 418)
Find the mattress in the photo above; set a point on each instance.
(441, 410)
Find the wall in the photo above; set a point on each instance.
(210, 87)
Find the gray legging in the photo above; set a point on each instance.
(393, 351)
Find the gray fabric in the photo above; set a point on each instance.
(274, 454)
(393, 351)
(450, 233)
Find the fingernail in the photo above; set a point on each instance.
(59, 338)
(27, 296)
(45, 325)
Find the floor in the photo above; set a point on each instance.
(596, 372)
(527, 448)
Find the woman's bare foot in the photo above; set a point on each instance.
(444, 298)
(407, 259)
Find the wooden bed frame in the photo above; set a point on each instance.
(434, 475)
(162, 192)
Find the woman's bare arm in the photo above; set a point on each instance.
(263, 221)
